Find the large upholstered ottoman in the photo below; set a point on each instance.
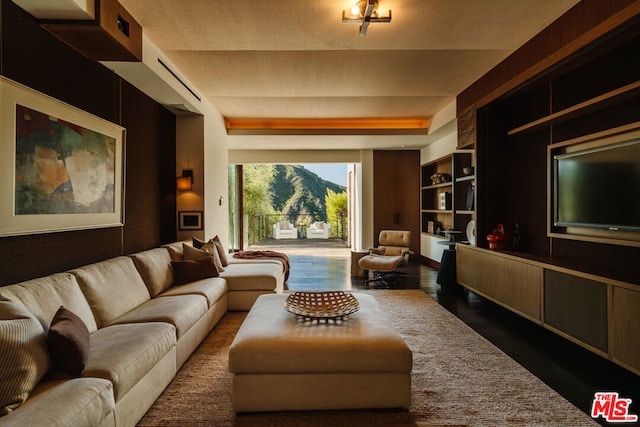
(283, 362)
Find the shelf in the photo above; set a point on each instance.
(437, 211)
(437, 236)
(433, 187)
(582, 107)
(456, 189)
(466, 178)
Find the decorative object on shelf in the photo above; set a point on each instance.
(321, 304)
(444, 201)
(499, 239)
(434, 227)
(468, 170)
(516, 237)
(471, 190)
(440, 178)
(471, 232)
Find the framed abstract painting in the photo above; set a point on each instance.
(61, 168)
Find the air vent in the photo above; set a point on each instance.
(178, 79)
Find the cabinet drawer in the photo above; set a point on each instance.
(517, 285)
(625, 324)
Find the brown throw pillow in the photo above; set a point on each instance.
(207, 250)
(191, 270)
(221, 252)
(68, 342)
(197, 243)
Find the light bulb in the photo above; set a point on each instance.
(355, 10)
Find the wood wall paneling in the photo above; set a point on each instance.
(396, 198)
(584, 23)
(467, 129)
(151, 155)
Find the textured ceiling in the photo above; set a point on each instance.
(296, 59)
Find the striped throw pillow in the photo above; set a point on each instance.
(24, 358)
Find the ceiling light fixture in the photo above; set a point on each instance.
(364, 12)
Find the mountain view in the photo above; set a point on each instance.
(295, 190)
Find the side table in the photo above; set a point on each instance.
(447, 270)
(356, 271)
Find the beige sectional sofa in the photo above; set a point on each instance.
(142, 328)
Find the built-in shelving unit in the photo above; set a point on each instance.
(450, 204)
(594, 103)
(582, 284)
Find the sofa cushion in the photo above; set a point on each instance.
(68, 342)
(250, 277)
(76, 402)
(112, 288)
(123, 354)
(212, 289)
(153, 266)
(24, 358)
(182, 311)
(190, 270)
(44, 296)
(175, 250)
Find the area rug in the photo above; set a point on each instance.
(459, 378)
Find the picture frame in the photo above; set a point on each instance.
(190, 220)
(61, 168)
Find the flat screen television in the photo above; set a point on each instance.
(598, 188)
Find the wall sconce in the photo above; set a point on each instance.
(220, 201)
(364, 12)
(185, 182)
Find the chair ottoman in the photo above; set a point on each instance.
(383, 264)
(282, 362)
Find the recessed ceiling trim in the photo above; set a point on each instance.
(401, 126)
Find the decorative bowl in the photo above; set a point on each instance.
(321, 304)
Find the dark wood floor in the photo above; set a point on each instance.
(573, 372)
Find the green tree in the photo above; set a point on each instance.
(257, 200)
(337, 209)
(256, 181)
